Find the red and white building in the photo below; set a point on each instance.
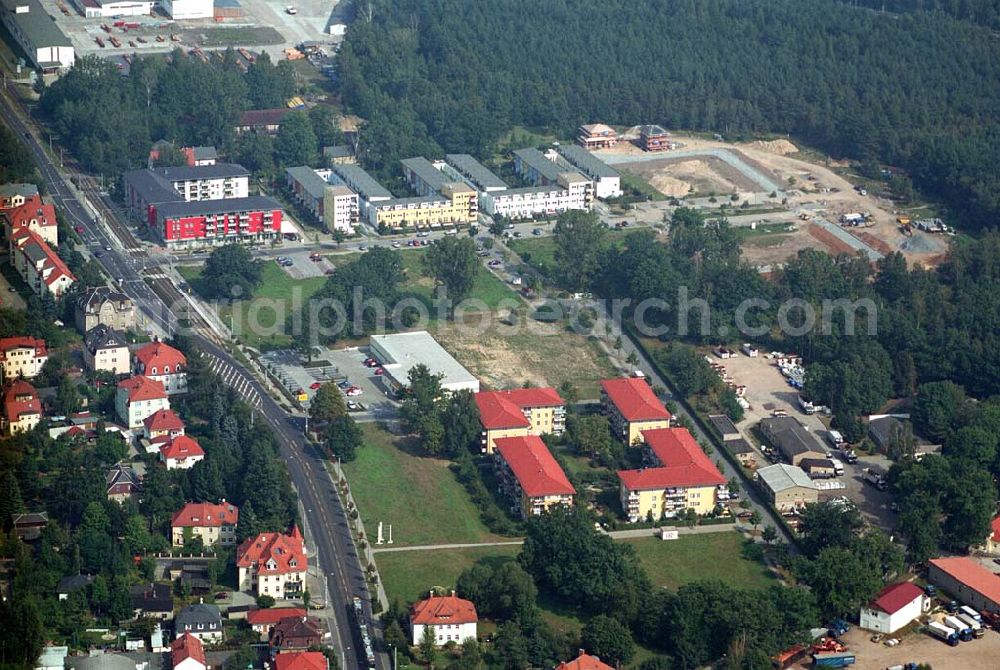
(450, 618)
(163, 363)
(584, 662)
(596, 136)
(162, 426)
(38, 264)
(187, 653)
(22, 409)
(894, 607)
(263, 620)
(22, 357)
(32, 214)
(139, 397)
(213, 523)
(181, 453)
(301, 660)
(530, 475)
(273, 564)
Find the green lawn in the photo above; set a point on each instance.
(541, 250)
(256, 321)
(409, 575)
(419, 496)
(673, 563)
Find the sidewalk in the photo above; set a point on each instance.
(435, 547)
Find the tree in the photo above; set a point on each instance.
(67, 398)
(452, 262)
(460, 421)
(168, 155)
(756, 519)
(828, 525)
(394, 636)
(608, 639)
(230, 273)
(344, 438)
(265, 601)
(496, 226)
(295, 143)
(10, 500)
(325, 127)
(769, 534)
(328, 404)
(428, 646)
(420, 409)
(579, 242)
(936, 409)
(591, 435)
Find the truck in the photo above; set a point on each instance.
(838, 467)
(965, 632)
(806, 406)
(943, 633)
(834, 659)
(971, 613)
(976, 626)
(835, 438)
(875, 478)
(838, 627)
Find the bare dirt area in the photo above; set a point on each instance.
(704, 175)
(779, 147)
(770, 250)
(920, 648)
(827, 239)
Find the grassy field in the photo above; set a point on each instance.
(487, 286)
(673, 563)
(539, 252)
(408, 575)
(240, 36)
(276, 286)
(418, 496)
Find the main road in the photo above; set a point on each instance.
(326, 519)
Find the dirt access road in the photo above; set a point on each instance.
(920, 648)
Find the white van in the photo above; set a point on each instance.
(836, 439)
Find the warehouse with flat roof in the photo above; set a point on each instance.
(399, 353)
(46, 46)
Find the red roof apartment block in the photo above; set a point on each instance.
(286, 553)
(532, 464)
(185, 647)
(157, 358)
(505, 409)
(634, 399)
(584, 662)
(895, 597)
(443, 610)
(142, 388)
(33, 211)
(203, 515)
(44, 262)
(163, 421)
(683, 463)
(301, 660)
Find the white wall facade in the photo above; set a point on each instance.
(136, 412)
(878, 621)
(608, 187)
(520, 204)
(217, 188)
(124, 8)
(189, 9)
(445, 633)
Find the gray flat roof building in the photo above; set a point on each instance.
(534, 161)
(37, 33)
(591, 165)
(399, 353)
(253, 203)
(480, 175)
(362, 182)
(311, 182)
(422, 175)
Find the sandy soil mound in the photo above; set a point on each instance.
(670, 186)
(779, 147)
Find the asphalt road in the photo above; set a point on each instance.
(324, 514)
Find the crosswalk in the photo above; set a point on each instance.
(234, 379)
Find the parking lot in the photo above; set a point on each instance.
(922, 648)
(302, 264)
(767, 391)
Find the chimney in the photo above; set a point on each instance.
(453, 593)
(582, 652)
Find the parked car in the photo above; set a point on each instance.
(396, 244)
(315, 386)
(78, 228)
(353, 391)
(371, 362)
(344, 385)
(379, 371)
(354, 406)
(494, 263)
(536, 231)
(423, 233)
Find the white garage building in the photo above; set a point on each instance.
(401, 352)
(95, 9)
(896, 606)
(180, 10)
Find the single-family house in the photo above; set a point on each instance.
(160, 361)
(21, 357)
(992, 544)
(214, 524)
(299, 632)
(152, 600)
(885, 430)
(105, 350)
(72, 584)
(139, 397)
(518, 412)
(181, 453)
(28, 526)
(263, 620)
(122, 482)
(273, 564)
(632, 408)
(301, 660)
(450, 618)
(584, 662)
(22, 410)
(187, 653)
(201, 621)
(162, 426)
(894, 607)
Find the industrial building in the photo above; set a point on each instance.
(97, 9)
(182, 10)
(787, 487)
(966, 580)
(894, 607)
(399, 353)
(47, 47)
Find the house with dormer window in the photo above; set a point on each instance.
(273, 564)
(163, 363)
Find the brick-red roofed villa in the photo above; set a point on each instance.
(894, 607)
(263, 620)
(450, 618)
(162, 423)
(584, 662)
(21, 357)
(214, 524)
(301, 660)
(187, 653)
(22, 410)
(531, 476)
(632, 408)
(273, 564)
(139, 397)
(684, 479)
(530, 411)
(181, 453)
(160, 361)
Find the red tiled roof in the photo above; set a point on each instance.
(157, 355)
(53, 267)
(683, 463)
(894, 597)
(20, 398)
(971, 574)
(440, 610)
(185, 647)
(634, 399)
(257, 551)
(163, 420)
(504, 409)
(181, 446)
(584, 662)
(273, 615)
(11, 343)
(204, 515)
(142, 388)
(995, 527)
(33, 208)
(535, 468)
(300, 660)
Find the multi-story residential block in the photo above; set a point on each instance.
(105, 350)
(607, 180)
(150, 187)
(596, 136)
(683, 479)
(139, 397)
(325, 196)
(163, 363)
(654, 138)
(46, 46)
(544, 170)
(530, 411)
(466, 168)
(103, 305)
(530, 475)
(273, 564)
(632, 407)
(162, 426)
(252, 220)
(370, 192)
(202, 621)
(38, 264)
(34, 215)
(214, 524)
(122, 482)
(187, 653)
(22, 357)
(181, 453)
(13, 196)
(22, 410)
(450, 618)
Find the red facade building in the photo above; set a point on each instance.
(254, 218)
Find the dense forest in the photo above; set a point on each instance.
(982, 12)
(916, 90)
